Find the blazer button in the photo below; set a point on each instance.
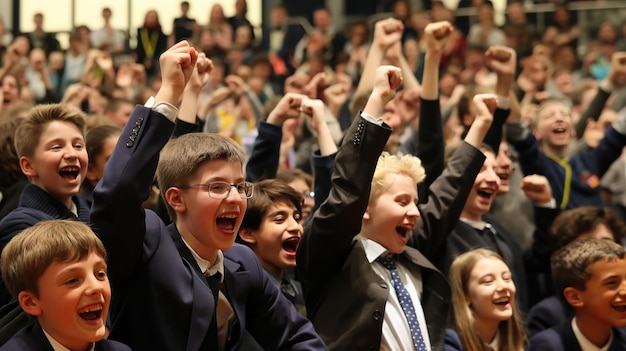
(130, 143)
(139, 121)
(377, 315)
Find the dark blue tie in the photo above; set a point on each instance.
(405, 302)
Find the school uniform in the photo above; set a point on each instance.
(345, 297)
(563, 338)
(161, 299)
(36, 205)
(33, 338)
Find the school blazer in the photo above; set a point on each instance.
(33, 338)
(562, 338)
(345, 298)
(160, 299)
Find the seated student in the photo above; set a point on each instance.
(590, 274)
(570, 225)
(51, 146)
(186, 286)
(483, 304)
(57, 270)
(339, 258)
(272, 228)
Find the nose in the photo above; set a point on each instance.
(294, 226)
(413, 211)
(70, 152)
(94, 285)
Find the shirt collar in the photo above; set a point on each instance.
(373, 250)
(584, 343)
(495, 342)
(56, 346)
(206, 267)
(480, 225)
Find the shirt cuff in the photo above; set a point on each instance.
(372, 119)
(551, 204)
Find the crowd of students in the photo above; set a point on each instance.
(459, 197)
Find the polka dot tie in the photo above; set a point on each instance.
(405, 302)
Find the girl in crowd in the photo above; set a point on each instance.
(483, 304)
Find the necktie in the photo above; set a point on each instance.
(288, 290)
(211, 338)
(406, 303)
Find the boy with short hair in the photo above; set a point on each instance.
(272, 228)
(590, 274)
(50, 144)
(186, 286)
(58, 272)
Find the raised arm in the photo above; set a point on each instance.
(117, 215)
(328, 238)
(448, 193)
(264, 158)
(187, 121)
(503, 61)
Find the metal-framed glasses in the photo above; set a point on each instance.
(221, 190)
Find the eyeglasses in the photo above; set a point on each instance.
(308, 194)
(221, 190)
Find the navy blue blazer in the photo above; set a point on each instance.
(32, 338)
(562, 338)
(548, 313)
(161, 300)
(35, 205)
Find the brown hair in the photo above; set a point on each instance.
(28, 254)
(182, 156)
(266, 193)
(28, 134)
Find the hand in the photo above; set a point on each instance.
(236, 84)
(314, 89)
(485, 106)
(296, 83)
(314, 108)
(387, 32)
(386, 80)
(177, 64)
(502, 60)
(537, 189)
(104, 61)
(288, 107)
(200, 76)
(436, 35)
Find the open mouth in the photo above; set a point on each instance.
(559, 131)
(91, 313)
(485, 194)
(619, 308)
(403, 231)
(503, 301)
(226, 223)
(291, 245)
(70, 172)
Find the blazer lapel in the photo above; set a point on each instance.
(203, 305)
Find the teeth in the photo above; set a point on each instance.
(91, 308)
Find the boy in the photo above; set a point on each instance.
(50, 144)
(590, 274)
(272, 228)
(177, 287)
(58, 272)
(575, 180)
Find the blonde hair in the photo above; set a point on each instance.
(388, 164)
(512, 335)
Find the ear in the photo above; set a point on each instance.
(27, 167)
(174, 197)
(29, 303)
(573, 297)
(366, 214)
(247, 235)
